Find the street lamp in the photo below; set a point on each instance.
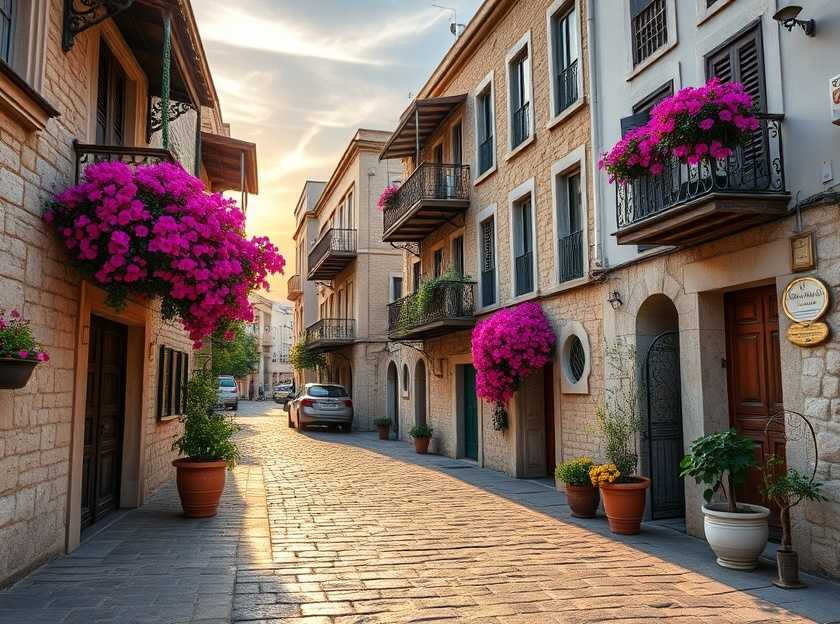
(787, 17)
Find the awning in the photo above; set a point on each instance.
(416, 124)
(231, 164)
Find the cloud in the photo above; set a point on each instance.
(233, 26)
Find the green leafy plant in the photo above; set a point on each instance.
(207, 434)
(618, 420)
(715, 458)
(16, 339)
(302, 357)
(421, 431)
(416, 306)
(786, 489)
(574, 472)
(235, 351)
(382, 422)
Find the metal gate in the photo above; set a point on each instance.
(663, 407)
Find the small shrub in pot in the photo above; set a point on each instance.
(383, 426)
(581, 495)
(421, 434)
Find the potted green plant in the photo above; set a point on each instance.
(422, 434)
(624, 495)
(737, 532)
(383, 426)
(581, 495)
(786, 489)
(19, 352)
(207, 447)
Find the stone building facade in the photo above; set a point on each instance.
(48, 101)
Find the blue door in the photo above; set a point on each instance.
(470, 413)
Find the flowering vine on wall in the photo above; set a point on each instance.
(507, 347)
(152, 231)
(695, 124)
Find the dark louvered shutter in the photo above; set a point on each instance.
(102, 97)
(488, 262)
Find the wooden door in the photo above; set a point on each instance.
(104, 420)
(470, 413)
(754, 377)
(548, 403)
(531, 427)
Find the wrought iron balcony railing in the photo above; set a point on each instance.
(443, 186)
(488, 287)
(524, 269)
(571, 256)
(567, 88)
(333, 252)
(330, 332)
(294, 287)
(485, 155)
(520, 125)
(754, 170)
(450, 306)
(88, 154)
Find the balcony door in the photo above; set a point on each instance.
(110, 99)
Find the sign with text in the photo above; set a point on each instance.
(805, 299)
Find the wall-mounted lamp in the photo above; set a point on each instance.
(787, 17)
(615, 300)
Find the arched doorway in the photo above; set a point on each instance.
(420, 393)
(658, 366)
(392, 409)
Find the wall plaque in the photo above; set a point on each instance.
(802, 257)
(805, 299)
(808, 334)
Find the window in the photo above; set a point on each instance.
(173, 370)
(405, 380)
(577, 359)
(396, 287)
(7, 16)
(569, 227)
(438, 265)
(458, 255)
(519, 79)
(484, 119)
(415, 277)
(564, 52)
(523, 251)
(110, 99)
(649, 28)
(457, 144)
(326, 391)
(488, 261)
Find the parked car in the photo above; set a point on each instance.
(321, 404)
(283, 392)
(228, 393)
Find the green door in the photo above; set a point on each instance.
(470, 413)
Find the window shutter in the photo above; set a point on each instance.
(742, 60)
(488, 255)
(634, 121)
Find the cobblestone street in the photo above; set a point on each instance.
(353, 530)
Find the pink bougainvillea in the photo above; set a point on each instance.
(153, 231)
(695, 124)
(387, 196)
(507, 347)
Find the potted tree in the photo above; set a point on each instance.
(622, 490)
(207, 449)
(383, 426)
(422, 434)
(581, 495)
(737, 532)
(19, 352)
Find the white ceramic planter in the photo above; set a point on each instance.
(736, 538)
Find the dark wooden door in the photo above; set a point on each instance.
(470, 413)
(104, 419)
(754, 376)
(548, 402)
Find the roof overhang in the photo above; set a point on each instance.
(417, 123)
(231, 164)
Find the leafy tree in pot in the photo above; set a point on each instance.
(715, 458)
(786, 489)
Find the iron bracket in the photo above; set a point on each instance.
(79, 15)
(154, 119)
(428, 355)
(412, 248)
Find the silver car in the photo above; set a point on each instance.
(228, 393)
(321, 404)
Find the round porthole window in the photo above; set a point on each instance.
(576, 358)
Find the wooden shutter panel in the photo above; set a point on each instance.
(742, 60)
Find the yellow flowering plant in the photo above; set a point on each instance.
(574, 471)
(603, 474)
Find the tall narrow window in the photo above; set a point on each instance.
(438, 258)
(520, 98)
(7, 16)
(564, 41)
(484, 115)
(110, 99)
(648, 26)
(458, 255)
(457, 147)
(523, 247)
(570, 227)
(396, 288)
(415, 277)
(348, 204)
(488, 261)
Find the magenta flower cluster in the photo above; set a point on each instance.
(16, 339)
(507, 347)
(387, 196)
(152, 231)
(695, 124)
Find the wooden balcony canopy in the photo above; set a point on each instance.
(231, 164)
(416, 125)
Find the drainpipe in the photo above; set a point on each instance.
(416, 137)
(596, 133)
(164, 80)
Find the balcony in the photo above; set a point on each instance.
(331, 254)
(431, 196)
(87, 154)
(689, 204)
(328, 334)
(294, 288)
(450, 308)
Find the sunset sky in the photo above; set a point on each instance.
(298, 78)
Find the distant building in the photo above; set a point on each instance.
(281, 342)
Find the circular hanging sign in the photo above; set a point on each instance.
(805, 299)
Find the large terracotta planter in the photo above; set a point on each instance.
(15, 373)
(737, 538)
(421, 445)
(583, 500)
(200, 486)
(624, 504)
(384, 432)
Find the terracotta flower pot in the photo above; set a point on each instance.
(421, 445)
(15, 373)
(583, 499)
(624, 504)
(200, 486)
(384, 432)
